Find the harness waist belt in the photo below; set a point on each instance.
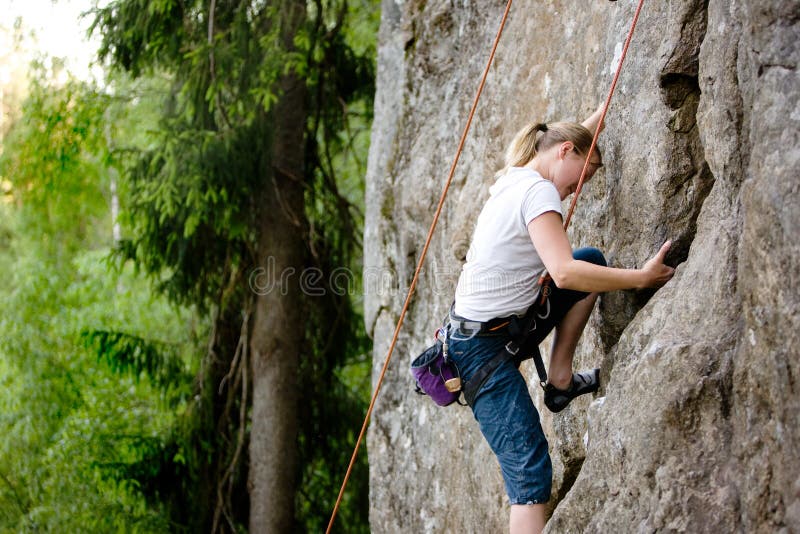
(492, 327)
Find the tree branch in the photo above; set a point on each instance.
(212, 62)
(240, 367)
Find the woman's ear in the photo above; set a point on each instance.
(565, 148)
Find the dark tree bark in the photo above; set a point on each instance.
(278, 326)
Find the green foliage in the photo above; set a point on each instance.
(54, 159)
(191, 208)
(137, 356)
(80, 439)
(154, 33)
(74, 431)
(192, 211)
(192, 191)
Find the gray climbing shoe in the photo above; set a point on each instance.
(582, 383)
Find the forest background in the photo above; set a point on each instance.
(151, 378)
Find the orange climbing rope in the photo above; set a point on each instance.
(603, 114)
(413, 285)
(545, 279)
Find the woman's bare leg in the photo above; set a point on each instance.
(526, 518)
(567, 334)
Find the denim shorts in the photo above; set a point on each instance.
(504, 408)
(508, 420)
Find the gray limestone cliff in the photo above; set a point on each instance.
(696, 428)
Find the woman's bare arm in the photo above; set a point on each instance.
(593, 120)
(550, 240)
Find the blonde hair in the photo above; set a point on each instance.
(528, 141)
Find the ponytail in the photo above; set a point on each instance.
(523, 148)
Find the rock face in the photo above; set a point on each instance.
(696, 428)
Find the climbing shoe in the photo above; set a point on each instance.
(584, 382)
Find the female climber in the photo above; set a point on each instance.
(519, 233)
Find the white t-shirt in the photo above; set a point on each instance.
(502, 269)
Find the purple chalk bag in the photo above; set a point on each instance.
(436, 375)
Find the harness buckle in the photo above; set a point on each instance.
(512, 348)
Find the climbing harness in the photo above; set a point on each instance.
(518, 328)
(437, 376)
(439, 208)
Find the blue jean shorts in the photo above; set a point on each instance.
(508, 420)
(504, 408)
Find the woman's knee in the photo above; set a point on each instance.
(591, 255)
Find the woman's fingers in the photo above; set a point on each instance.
(662, 252)
(659, 273)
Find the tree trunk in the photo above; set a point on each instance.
(278, 326)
